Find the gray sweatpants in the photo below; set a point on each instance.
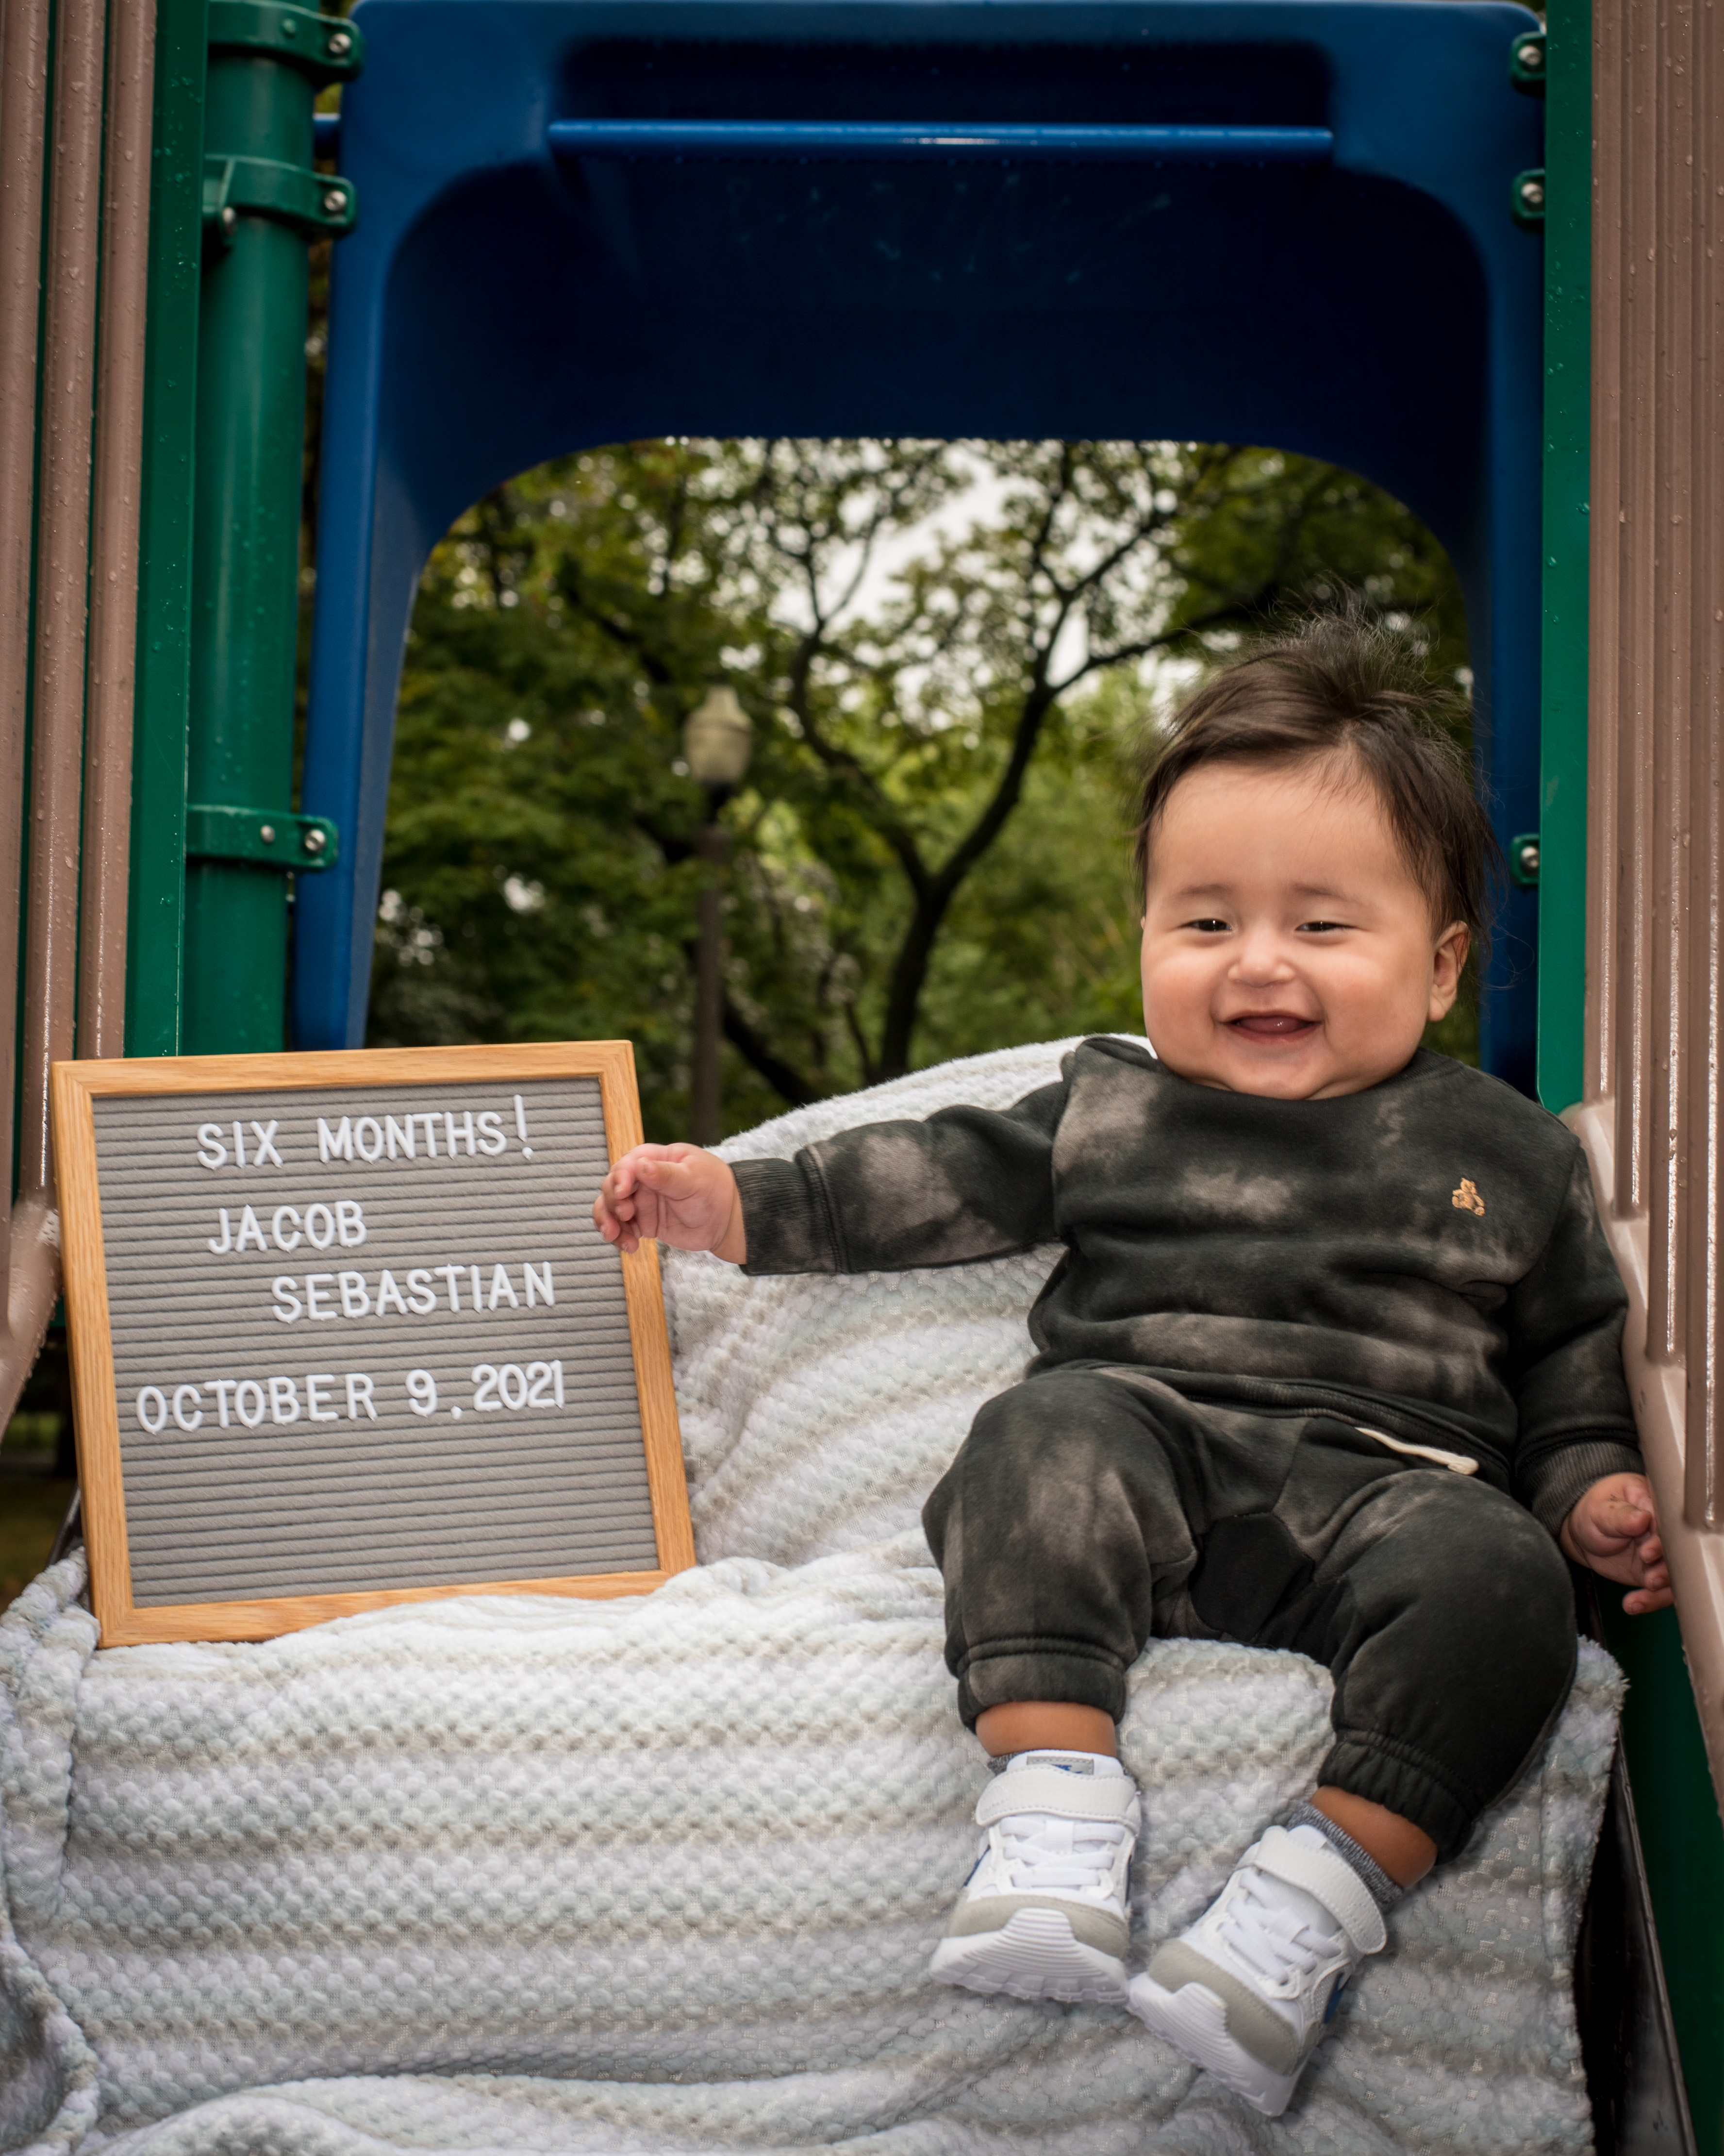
(1089, 1510)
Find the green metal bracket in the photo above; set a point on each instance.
(1527, 63)
(1523, 860)
(265, 838)
(320, 46)
(1527, 199)
(292, 194)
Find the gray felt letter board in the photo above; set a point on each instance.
(352, 1338)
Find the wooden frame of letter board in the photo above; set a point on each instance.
(76, 1084)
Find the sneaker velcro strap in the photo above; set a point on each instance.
(1051, 1789)
(1326, 1873)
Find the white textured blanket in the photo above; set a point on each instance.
(502, 1876)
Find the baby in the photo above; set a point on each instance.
(1331, 1362)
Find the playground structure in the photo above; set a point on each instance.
(1345, 227)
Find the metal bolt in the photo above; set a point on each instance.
(266, 832)
(230, 220)
(335, 201)
(290, 29)
(315, 840)
(1529, 858)
(1532, 194)
(1530, 57)
(340, 45)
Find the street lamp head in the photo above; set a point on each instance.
(716, 738)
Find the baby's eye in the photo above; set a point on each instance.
(1209, 927)
(1320, 927)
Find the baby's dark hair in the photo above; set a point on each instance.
(1344, 686)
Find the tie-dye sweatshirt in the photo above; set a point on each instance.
(1422, 1258)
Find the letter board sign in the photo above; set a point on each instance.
(343, 1334)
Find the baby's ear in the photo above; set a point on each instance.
(1448, 964)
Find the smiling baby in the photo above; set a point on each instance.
(1331, 1362)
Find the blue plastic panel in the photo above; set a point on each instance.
(1368, 298)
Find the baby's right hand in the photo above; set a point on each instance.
(678, 1194)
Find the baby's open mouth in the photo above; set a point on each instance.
(1272, 1025)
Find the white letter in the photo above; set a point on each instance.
(287, 1303)
(238, 1142)
(430, 1123)
(316, 1406)
(530, 1279)
(500, 1285)
(264, 1133)
(323, 1241)
(359, 1395)
(227, 1241)
(520, 1117)
(350, 1221)
(284, 1400)
(450, 1122)
(286, 1242)
(368, 1123)
(159, 1410)
(180, 1416)
(209, 1140)
(356, 1302)
(248, 1385)
(387, 1292)
(249, 1231)
(491, 1139)
(451, 1274)
(335, 1144)
(404, 1131)
(473, 1271)
(311, 1296)
(221, 1387)
(420, 1293)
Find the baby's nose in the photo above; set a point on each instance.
(1263, 957)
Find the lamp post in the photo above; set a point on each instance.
(716, 741)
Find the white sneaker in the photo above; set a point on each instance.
(1249, 1990)
(1042, 1915)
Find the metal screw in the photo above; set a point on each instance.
(315, 840)
(230, 220)
(335, 201)
(266, 832)
(290, 29)
(1530, 57)
(340, 45)
(1532, 194)
(1529, 857)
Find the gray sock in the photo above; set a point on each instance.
(1382, 1889)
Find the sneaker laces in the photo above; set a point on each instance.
(1278, 1943)
(1042, 1854)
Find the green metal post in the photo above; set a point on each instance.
(1568, 455)
(156, 928)
(261, 202)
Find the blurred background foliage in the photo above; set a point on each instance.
(953, 655)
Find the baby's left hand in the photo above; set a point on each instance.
(1612, 1530)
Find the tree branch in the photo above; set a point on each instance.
(788, 1084)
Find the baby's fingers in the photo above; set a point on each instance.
(1645, 1599)
(610, 1224)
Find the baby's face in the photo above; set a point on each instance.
(1287, 949)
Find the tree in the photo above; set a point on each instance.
(939, 644)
